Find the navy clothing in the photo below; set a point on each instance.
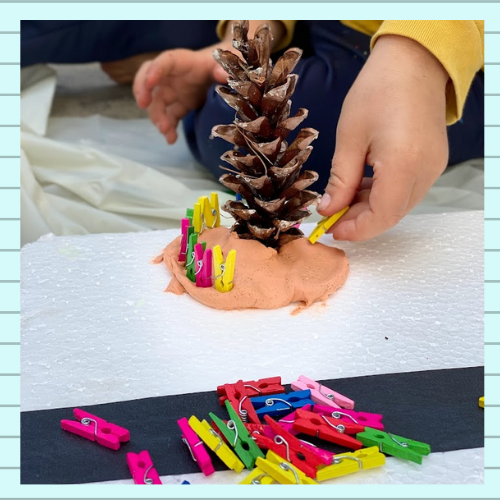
(333, 56)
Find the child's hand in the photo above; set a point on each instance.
(393, 118)
(175, 83)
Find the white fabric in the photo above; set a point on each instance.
(95, 174)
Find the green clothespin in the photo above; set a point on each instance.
(190, 231)
(396, 446)
(190, 263)
(238, 437)
(189, 215)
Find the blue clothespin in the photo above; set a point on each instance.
(238, 197)
(185, 482)
(279, 405)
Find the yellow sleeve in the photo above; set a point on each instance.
(289, 29)
(458, 45)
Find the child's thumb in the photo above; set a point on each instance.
(220, 76)
(345, 177)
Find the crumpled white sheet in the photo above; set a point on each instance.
(96, 174)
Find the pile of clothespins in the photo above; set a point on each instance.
(271, 451)
(198, 259)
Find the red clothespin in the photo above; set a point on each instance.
(142, 468)
(373, 420)
(196, 447)
(256, 429)
(287, 421)
(96, 429)
(328, 428)
(185, 223)
(261, 387)
(240, 401)
(203, 266)
(290, 448)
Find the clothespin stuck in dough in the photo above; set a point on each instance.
(325, 224)
(223, 271)
(210, 211)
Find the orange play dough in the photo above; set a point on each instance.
(264, 278)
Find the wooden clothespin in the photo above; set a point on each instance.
(327, 428)
(238, 437)
(349, 463)
(186, 231)
(223, 271)
(189, 215)
(142, 468)
(287, 421)
(191, 257)
(373, 420)
(96, 429)
(281, 404)
(198, 452)
(238, 397)
(396, 446)
(261, 387)
(481, 402)
(290, 448)
(325, 224)
(208, 435)
(210, 210)
(203, 266)
(322, 395)
(198, 217)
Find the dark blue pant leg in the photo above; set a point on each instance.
(325, 77)
(90, 41)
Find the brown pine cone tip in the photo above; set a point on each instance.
(264, 169)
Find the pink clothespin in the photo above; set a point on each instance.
(373, 420)
(203, 266)
(142, 468)
(184, 240)
(96, 429)
(287, 421)
(322, 395)
(196, 447)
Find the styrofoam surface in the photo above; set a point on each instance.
(97, 327)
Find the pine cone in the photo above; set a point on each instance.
(265, 169)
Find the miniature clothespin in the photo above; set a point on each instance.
(287, 421)
(223, 271)
(210, 211)
(195, 447)
(198, 217)
(189, 215)
(396, 446)
(373, 420)
(238, 437)
(238, 197)
(261, 387)
(274, 469)
(481, 402)
(215, 443)
(240, 401)
(96, 429)
(348, 463)
(191, 257)
(325, 224)
(290, 448)
(280, 404)
(142, 468)
(203, 266)
(186, 231)
(327, 428)
(185, 482)
(322, 395)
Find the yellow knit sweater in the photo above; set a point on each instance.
(458, 45)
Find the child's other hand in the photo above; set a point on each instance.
(393, 118)
(174, 83)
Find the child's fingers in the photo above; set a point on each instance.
(220, 76)
(141, 93)
(175, 113)
(156, 111)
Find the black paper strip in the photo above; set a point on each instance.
(438, 407)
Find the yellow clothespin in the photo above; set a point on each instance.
(348, 463)
(210, 210)
(198, 217)
(325, 224)
(481, 402)
(207, 434)
(223, 271)
(258, 476)
(279, 469)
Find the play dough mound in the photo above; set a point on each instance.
(264, 278)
